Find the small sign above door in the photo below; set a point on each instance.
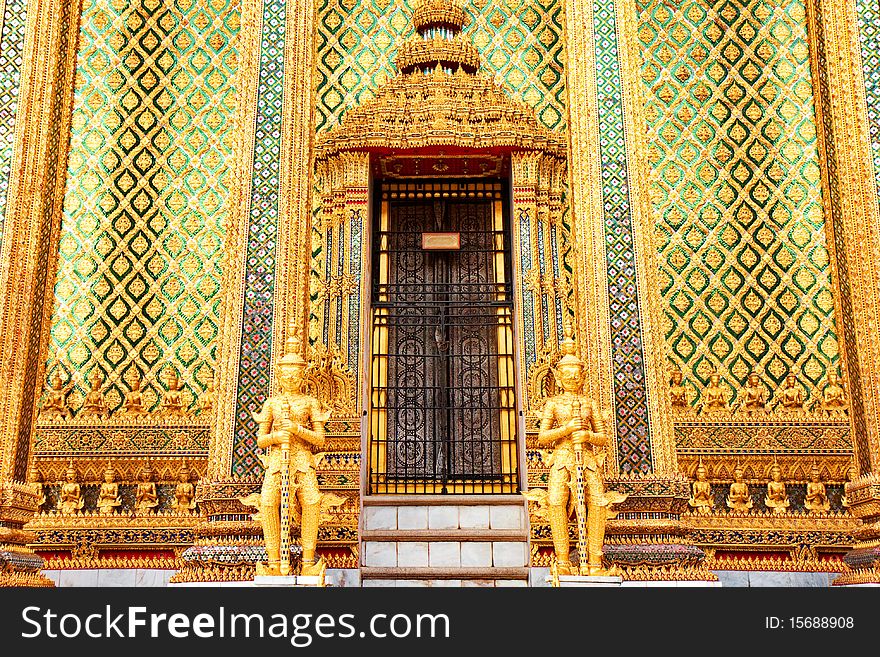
(441, 241)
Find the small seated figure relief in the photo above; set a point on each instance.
(678, 397)
(172, 402)
(36, 479)
(701, 491)
(816, 500)
(94, 405)
(833, 395)
(70, 500)
(791, 396)
(777, 497)
(55, 405)
(739, 499)
(108, 496)
(146, 498)
(714, 397)
(754, 395)
(208, 399)
(852, 473)
(184, 492)
(134, 399)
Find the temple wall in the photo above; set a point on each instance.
(714, 233)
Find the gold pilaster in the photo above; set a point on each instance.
(585, 185)
(648, 540)
(29, 248)
(227, 524)
(851, 182)
(235, 245)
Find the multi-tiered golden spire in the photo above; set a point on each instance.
(438, 41)
(439, 99)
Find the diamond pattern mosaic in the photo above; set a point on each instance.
(138, 284)
(520, 43)
(11, 45)
(256, 334)
(736, 190)
(869, 35)
(627, 351)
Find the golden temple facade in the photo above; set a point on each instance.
(430, 198)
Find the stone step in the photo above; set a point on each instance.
(432, 535)
(445, 554)
(442, 500)
(444, 583)
(455, 574)
(450, 515)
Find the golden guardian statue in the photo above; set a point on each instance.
(572, 426)
(291, 430)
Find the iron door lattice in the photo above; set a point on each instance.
(443, 393)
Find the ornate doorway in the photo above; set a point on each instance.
(443, 397)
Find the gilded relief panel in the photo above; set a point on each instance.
(736, 190)
(138, 283)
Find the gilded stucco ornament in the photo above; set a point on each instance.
(714, 396)
(753, 398)
(777, 497)
(172, 402)
(94, 405)
(439, 98)
(834, 399)
(147, 497)
(678, 397)
(134, 400)
(184, 491)
(816, 500)
(791, 396)
(738, 498)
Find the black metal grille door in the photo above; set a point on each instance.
(443, 394)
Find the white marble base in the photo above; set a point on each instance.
(635, 584)
(856, 586)
(566, 581)
(287, 581)
(110, 577)
(203, 585)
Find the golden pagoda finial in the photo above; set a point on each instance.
(438, 45)
(568, 347)
(292, 345)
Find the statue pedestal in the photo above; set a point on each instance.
(566, 581)
(289, 580)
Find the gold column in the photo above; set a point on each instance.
(585, 184)
(29, 255)
(235, 245)
(851, 181)
(227, 523)
(639, 540)
(295, 204)
(647, 258)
